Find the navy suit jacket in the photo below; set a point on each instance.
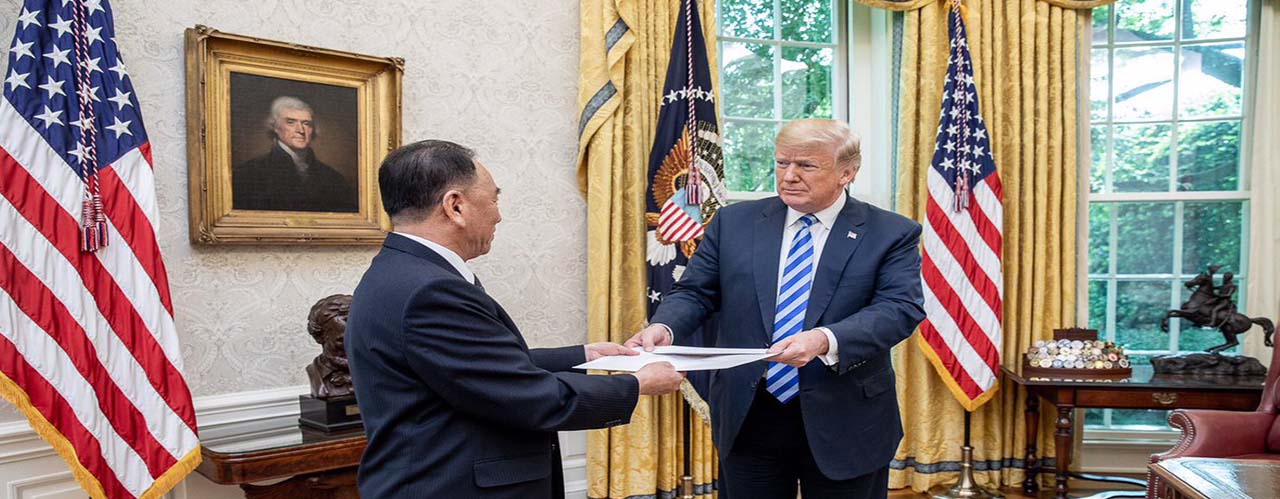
(454, 402)
(866, 290)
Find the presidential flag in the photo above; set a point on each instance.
(88, 349)
(685, 165)
(963, 283)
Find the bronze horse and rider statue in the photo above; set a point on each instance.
(1212, 307)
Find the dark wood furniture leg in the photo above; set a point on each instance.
(1032, 483)
(1062, 442)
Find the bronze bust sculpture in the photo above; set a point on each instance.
(330, 377)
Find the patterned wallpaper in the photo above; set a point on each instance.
(500, 77)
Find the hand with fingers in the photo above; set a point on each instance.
(654, 335)
(800, 348)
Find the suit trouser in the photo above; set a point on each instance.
(771, 454)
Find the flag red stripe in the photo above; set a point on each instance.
(135, 228)
(959, 249)
(948, 358)
(686, 228)
(997, 187)
(145, 149)
(55, 409)
(989, 233)
(35, 300)
(973, 333)
(58, 226)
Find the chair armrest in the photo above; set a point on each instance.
(1210, 433)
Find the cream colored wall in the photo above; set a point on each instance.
(497, 76)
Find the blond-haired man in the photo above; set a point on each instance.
(810, 274)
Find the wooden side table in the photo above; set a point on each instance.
(1141, 390)
(314, 464)
(1206, 478)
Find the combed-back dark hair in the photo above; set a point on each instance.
(414, 178)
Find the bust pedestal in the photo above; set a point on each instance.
(1208, 363)
(329, 414)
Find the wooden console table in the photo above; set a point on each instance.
(1205, 478)
(1141, 390)
(316, 465)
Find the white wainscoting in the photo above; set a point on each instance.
(29, 468)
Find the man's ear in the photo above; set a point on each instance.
(452, 206)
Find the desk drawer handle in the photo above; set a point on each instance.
(1164, 398)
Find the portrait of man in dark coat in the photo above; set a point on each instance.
(290, 177)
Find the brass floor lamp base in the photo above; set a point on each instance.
(966, 487)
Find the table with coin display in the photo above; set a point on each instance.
(1091, 383)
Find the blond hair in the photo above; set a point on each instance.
(820, 133)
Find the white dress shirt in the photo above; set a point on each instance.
(819, 232)
(448, 254)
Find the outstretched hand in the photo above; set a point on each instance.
(655, 335)
(606, 349)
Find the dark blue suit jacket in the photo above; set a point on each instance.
(454, 402)
(866, 290)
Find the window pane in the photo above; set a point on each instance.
(1141, 158)
(1139, 307)
(747, 76)
(1098, 158)
(1147, 235)
(1143, 21)
(1144, 90)
(1140, 419)
(1214, 19)
(1210, 81)
(746, 19)
(1209, 156)
(806, 82)
(1212, 235)
(748, 156)
(1101, 16)
(1098, 77)
(1098, 305)
(1099, 237)
(806, 20)
(1093, 418)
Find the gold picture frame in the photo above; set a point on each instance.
(284, 140)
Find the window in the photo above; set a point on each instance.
(1168, 183)
(786, 59)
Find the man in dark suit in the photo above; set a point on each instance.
(289, 177)
(455, 404)
(812, 273)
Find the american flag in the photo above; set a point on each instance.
(963, 283)
(88, 349)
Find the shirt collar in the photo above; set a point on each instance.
(826, 216)
(448, 254)
(297, 160)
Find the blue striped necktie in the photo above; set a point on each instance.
(783, 381)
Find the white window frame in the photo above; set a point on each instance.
(860, 72)
(1104, 433)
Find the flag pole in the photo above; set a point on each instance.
(686, 481)
(966, 487)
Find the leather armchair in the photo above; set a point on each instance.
(1228, 434)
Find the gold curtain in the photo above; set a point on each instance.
(624, 52)
(904, 5)
(1025, 54)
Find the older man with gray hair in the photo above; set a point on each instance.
(289, 177)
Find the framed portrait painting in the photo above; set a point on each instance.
(284, 141)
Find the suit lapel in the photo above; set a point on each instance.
(841, 243)
(400, 243)
(768, 247)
